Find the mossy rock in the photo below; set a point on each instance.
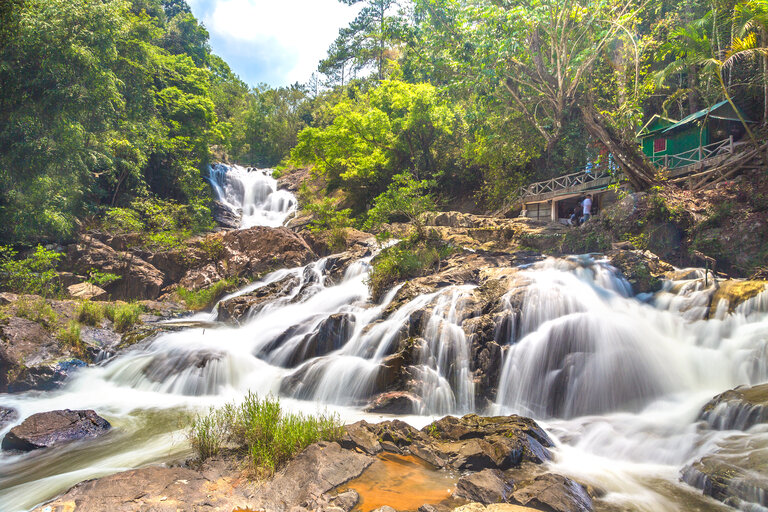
(735, 292)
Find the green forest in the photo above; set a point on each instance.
(111, 110)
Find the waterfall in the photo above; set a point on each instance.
(252, 194)
(618, 379)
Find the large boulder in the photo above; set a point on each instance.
(487, 486)
(86, 291)
(249, 253)
(331, 334)
(138, 279)
(46, 429)
(737, 409)
(554, 493)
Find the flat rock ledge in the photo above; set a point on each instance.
(500, 459)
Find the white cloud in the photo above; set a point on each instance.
(290, 35)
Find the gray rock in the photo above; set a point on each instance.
(47, 429)
(554, 493)
(487, 486)
(320, 468)
(737, 409)
(346, 500)
(385, 508)
(7, 416)
(358, 436)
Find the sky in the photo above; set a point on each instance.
(278, 42)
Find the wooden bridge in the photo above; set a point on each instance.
(696, 169)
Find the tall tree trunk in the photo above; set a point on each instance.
(637, 169)
(693, 105)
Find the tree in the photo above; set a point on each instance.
(363, 43)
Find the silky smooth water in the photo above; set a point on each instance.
(252, 193)
(618, 380)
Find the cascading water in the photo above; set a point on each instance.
(252, 194)
(618, 379)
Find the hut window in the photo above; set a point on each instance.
(659, 145)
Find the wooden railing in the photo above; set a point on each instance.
(695, 155)
(582, 179)
(562, 183)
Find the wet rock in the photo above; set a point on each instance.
(86, 291)
(236, 309)
(330, 335)
(7, 416)
(47, 429)
(554, 493)
(320, 468)
(155, 488)
(225, 216)
(44, 377)
(346, 501)
(359, 436)
(735, 293)
(394, 402)
(737, 409)
(487, 486)
(385, 508)
(735, 473)
(138, 279)
(426, 454)
(642, 269)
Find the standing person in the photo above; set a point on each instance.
(587, 206)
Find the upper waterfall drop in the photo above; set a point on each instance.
(252, 194)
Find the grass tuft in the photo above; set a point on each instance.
(123, 316)
(38, 310)
(261, 431)
(205, 298)
(90, 313)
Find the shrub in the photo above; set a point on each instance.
(123, 316)
(90, 313)
(38, 310)
(122, 220)
(261, 431)
(166, 240)
(206, 297)
(405, 199)
(35, 274)
(326, 216)
(408, 259)
(100, 278)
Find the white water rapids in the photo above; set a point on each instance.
(618, 380)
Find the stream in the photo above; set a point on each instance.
(617, 379)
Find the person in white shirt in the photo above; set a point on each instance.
(587, 206)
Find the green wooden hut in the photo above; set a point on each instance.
(703, 134)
